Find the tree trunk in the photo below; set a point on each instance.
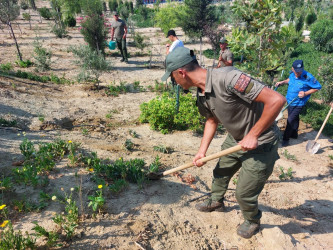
(200, 50)
(17, 47)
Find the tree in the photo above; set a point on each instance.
(9, 11)
(197, 15)
(32, 4)
(167, 17)
(265, 45)
(113, 5)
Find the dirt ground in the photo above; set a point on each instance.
(297, 213)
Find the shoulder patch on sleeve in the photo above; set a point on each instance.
(242, 83)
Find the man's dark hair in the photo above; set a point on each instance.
(192, 66)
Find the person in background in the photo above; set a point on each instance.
(226, 57)
(175, 42)
(301, 84)
(119, 31)
(247, 109)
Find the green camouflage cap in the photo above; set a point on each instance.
(177, 59)
(223, 40)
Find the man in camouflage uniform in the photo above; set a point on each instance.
(226, 57)
(247, 109)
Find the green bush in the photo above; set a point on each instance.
(42, 56)
(310, 18)
(139, 41)
(322, 35)
(70, 21)
(113, 5)
(143, 17)
(45, 13)
(94, 32)
(24, 5)
(161, 113)
(6, 66)
(326, 74)
(24, 64)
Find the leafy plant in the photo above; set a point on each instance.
(133, 133)
(167, 17)
(286, 175)
(42, 56)
(70, 21)
(24, 64)
(7, 123)
(234, 181)
(129, 145)
(45, 13)
(331, 157)
(27, 17)
(15, 240)
(91, 62)
(6, 66)
(161, 113)
(155, 165)
(322, 35)
(325, 72)
(163, 149)
(118, 186)
(139, 41)
(289, 156)
(41, 118)
(97, 201)
(51, 236)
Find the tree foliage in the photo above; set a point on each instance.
(263, 42)
(325, 72)
(168, 17)
(322, 35)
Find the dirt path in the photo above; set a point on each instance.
(297, 213)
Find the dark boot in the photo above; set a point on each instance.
(209, 205)
(248, 229)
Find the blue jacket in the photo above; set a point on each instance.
(304, 83)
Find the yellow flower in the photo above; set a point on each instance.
(4, 223)
(72, 189)
(54, 198)
(69, 200)
(69, 141)
(2, 206)
(100, 186)
(91, 170)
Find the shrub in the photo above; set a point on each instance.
(24, 64)
(143, 17)
(42, 56)
(139, 41)
(91, 62)
(70, 21)
(161, 113)
(94, 32)
(45, 13)
(310, 18)
(6, 66)
(322, 35)
(24, 5)
(113, 5)
(326, 74)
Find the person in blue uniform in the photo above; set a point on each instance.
(301, 84)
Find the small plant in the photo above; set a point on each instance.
(24, 6)
(70, 21)
(139, 41)
(45, 13)
(15, 240)
(330, 156)
(286, 175)
(234, 181)
(41, 118)
(6, 66)
(42, 56)
(24, 64)
(129, 145)
(97, 201)
(114, 90)
(133, 133)
(118, 186)
(6, 183)
(85, 131)
(7, 123)
(51, 236)
(289, 156)
(68, 221)
(154, 167)
(163, 149)
(27, 17)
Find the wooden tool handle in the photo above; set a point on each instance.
(322, 126)
(205, 159)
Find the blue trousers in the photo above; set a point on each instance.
(291, 130)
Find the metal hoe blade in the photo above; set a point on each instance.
(312, 147)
